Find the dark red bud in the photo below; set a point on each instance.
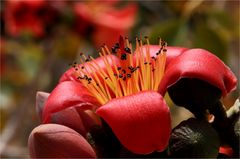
(57, 141)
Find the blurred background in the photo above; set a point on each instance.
(40, 38)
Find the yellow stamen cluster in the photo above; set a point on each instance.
(137, 72)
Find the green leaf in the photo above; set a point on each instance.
(207, 38)
(174, 32)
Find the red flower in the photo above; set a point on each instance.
(137, 114)
(27, 15)
(123, 91)
(104, 21)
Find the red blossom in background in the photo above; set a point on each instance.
(104, 21)
(28, 16)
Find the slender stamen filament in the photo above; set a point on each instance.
(137, 72)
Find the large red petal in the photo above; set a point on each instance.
(117, 21)
(57, 141)
(140, 121)
(201, 64)
(68, 94)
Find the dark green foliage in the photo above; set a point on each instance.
(194, 138)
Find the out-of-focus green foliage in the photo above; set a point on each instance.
(206, 26)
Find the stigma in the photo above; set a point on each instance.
(138, 69)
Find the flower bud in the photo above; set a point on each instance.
(57, 141)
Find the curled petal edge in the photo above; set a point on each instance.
(201, 64)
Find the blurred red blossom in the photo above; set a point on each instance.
(104, 21)
(28, 16)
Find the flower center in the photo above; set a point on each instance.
(137, 72)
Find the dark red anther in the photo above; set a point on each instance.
(124, 57)
(116, 45)
(153, 57)
(127, 50)
(130, 67)
(120, 75)
(114, 50)
(79, 77)
(89, 79)
(85, 77)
